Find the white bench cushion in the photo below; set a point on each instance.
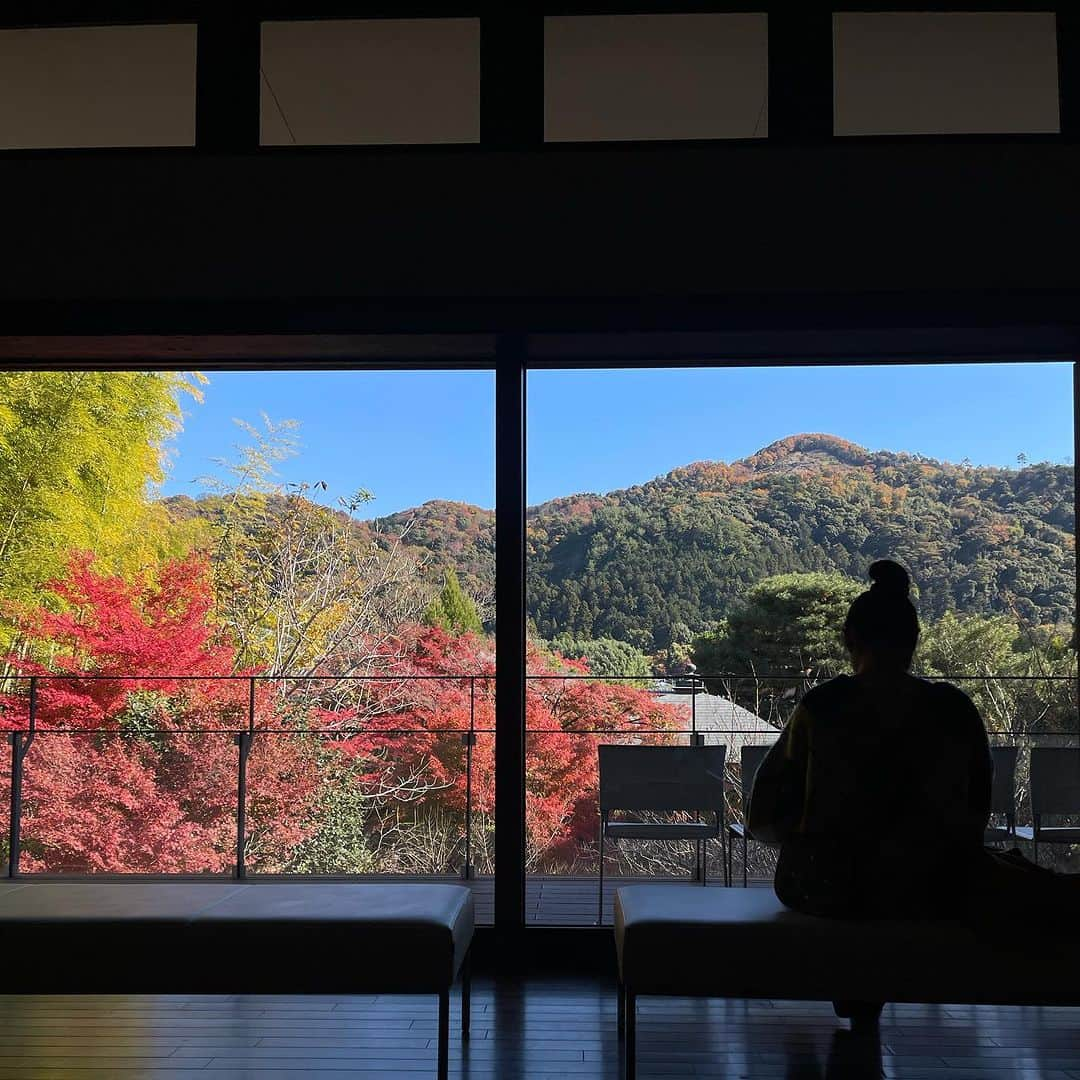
(324, 937)
(717, 942)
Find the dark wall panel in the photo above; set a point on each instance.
(566, 223)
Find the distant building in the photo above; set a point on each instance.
(720, 720)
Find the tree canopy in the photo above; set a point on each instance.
(78, 451)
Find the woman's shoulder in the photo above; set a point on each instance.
(946, 693)
(950, 699)
(939, 697)
(825, 696)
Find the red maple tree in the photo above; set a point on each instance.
(415, 717)
(134, 767)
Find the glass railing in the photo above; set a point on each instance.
(393, 774)
(745, 713)
(246, 775)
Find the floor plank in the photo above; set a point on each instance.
(535, 1028)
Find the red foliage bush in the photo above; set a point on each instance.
(134, 767)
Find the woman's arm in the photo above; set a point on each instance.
(776, 800)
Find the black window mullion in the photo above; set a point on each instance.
(1076, 517)
(510, 635)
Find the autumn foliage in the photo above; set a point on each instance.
(134, 766)
(134, 771)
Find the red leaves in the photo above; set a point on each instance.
(156, 790)
(415, 745)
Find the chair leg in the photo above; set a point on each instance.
(630, 1037)
(620, 1021)
(466, 994)
(444, 1035)
(745, 877)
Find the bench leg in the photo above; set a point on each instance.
(621, 1010)
(630, 1036)
(444, 1035)
(466, 993)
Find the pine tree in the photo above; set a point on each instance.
(452, 610)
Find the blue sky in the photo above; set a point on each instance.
(412, 436)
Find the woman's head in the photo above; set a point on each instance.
(881, 624)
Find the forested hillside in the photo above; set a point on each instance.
(680, 549)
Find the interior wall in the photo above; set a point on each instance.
(567, 222)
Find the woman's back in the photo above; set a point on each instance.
(879, 792)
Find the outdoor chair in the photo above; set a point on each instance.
(1055, 791)
(1003, 797)
(661, 779)
(750, 758)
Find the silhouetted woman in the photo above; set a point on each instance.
(878, 790)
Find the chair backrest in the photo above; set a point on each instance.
(751, 758)
(662, 778)
(1003, 792)
(1055, 780)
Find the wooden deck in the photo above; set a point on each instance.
(556, 901)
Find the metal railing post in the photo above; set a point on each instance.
(469, 739)
(19, 747)
(696, 740)
(243, 743)
(15, 738)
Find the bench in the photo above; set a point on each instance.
(158, 937)
(677, 941)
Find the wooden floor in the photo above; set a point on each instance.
(536, 1028)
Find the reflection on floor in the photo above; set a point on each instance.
(535, 1028)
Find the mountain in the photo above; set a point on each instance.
(684, 547)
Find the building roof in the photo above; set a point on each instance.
(723, 720)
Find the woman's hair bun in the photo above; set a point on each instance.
(889, 577)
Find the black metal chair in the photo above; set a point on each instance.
(750, 758)
(1055, 791)
(661, 779)
(1003, 797)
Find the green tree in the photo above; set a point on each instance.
(452, 610)
(1022, 681)
(788, 625)
(79, 453)
(606, 657)
(300, 586)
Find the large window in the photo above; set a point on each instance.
(248, 620)
(696, 536)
